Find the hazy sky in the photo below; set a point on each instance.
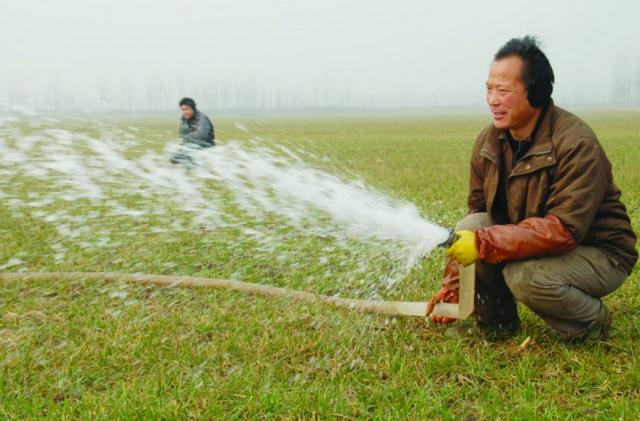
(396, 53)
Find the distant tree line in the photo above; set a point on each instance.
(162, 93)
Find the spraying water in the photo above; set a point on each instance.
(77, 179)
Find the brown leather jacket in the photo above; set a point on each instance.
(565, 174)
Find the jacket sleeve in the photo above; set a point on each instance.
(476, 201)
(581, 180)
(533, 237)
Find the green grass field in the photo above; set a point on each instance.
(116, 351)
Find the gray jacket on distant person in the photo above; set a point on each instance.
(198, 130)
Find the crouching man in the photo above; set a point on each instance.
(546, 225)
(196, 132)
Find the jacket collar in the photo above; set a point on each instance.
(542, 142)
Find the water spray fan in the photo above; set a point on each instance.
(288, 188)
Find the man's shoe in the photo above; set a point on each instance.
(464, 329)
(501, 330)
(600, 329)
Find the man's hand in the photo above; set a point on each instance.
(448, 293)
(442, 296)
(464, 249)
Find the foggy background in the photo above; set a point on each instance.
(143, 55)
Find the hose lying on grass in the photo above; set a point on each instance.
(398, 308)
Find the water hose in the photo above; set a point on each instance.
(395, 308)
(392, 308)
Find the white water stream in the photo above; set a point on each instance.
(78, 177)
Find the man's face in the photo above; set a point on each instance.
(187, 111)
(507, 96)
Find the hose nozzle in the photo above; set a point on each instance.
(453, 237)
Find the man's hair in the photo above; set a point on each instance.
(188, 101)
(537, 73)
